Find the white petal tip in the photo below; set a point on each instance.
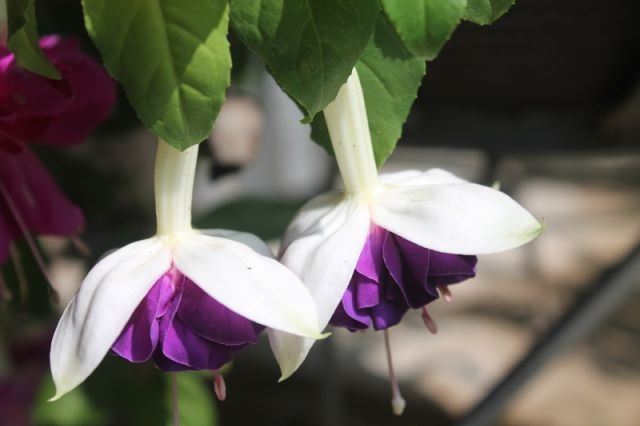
(398, 405)
(57, 396)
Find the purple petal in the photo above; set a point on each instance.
(347, 314)
(370, 263)
(388, 314)
(139, 338)
(367, 293)
(185, 347)
(446, 269)
(208, 318)
(408, 264)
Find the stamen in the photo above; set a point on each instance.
(174, 399)
(219, 386)
(446, 293)
(397, 401)
(428, 321)
(80, 245)
(23, 288)
(27, 235)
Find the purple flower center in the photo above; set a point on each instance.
(183, 328)
(393, 275)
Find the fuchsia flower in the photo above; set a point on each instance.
(388, 243)
(59, 112)
(36, 109)
(186, 298)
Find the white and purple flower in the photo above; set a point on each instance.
(388, 243)
(187, 299)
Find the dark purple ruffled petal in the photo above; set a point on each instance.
(181, 345)
(370, 263)
(392, 275)
(446, 269)
(213, 321)
(139, 338)
(181, 327)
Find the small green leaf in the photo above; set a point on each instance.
(23, 39)
(310, 46)
(483, 12)
(390, 78)
(424, 25)
(172, 57)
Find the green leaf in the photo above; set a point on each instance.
(310, 46)
(75, 409)
(171, 56)
(424, 25)
(23, 39)
(483, 12)
(390, 78)
(195, 402)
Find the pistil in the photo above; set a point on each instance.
(397, 401)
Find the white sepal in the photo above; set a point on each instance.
(323, 252)
(457, 217)
(99, 311)
(250, 284)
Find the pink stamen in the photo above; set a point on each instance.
(446, 293)
(397, 401)
(82, 247)
(174, 399)
(219, 386)
(27, 235)
(428, 321)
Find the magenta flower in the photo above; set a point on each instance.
(61, 112)
(39, 110)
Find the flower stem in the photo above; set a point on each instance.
(174, 175)
(348, 128)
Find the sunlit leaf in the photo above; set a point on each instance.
(390, 78)
(310, 46)
(171, 56)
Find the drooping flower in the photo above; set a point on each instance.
(188, 299)
(388, 243)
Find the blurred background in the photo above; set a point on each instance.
(546, 102)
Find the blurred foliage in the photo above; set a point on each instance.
(268, 219)
(122, 393)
